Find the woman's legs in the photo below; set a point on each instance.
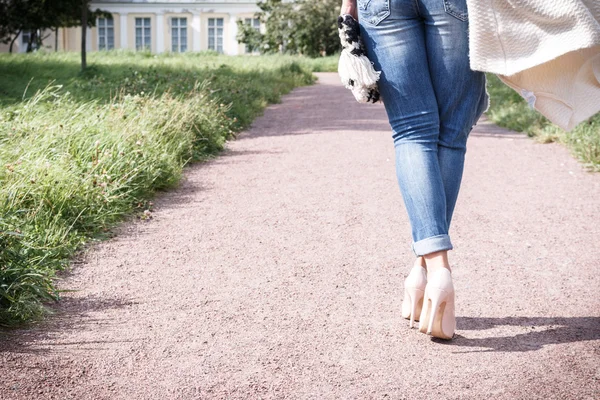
(397, 47)
(432, 99)
(460, 92)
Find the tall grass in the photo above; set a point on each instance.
(78, 152)
(511, 111)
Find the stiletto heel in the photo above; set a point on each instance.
(414, 290)
(434, 303)
(437, 315)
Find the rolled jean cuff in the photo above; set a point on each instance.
(432, 244)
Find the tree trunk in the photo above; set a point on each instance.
(12, 42)
(39, 40)
(56, 39)
(84, 9)
(32, 39)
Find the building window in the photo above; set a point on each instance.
(215, 34)
(26, 37)
(178, 35)
(143, 39)
(254, 23)
(106, 34)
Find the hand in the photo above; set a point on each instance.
(349, 7)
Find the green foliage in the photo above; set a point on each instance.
(305, 27)
(250, 36)
(511, 111)
(315, 29)
(38, 15)
(322, 64)
(24, 273)
(81, 153)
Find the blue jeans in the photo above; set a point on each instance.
(432, 99)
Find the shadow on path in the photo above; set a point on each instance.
(69, 314)
(486, 128)
(307, 111)
(540, 331)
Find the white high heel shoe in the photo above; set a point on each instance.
(437, 315)
(414, 289)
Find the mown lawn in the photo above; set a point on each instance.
(79, 152)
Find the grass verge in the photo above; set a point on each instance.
(511, 111)
(79, 152)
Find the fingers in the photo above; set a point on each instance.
(349, 7)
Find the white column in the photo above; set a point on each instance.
(123, 18)
(160, 32)
(21, 46)
(196, 33)
(233, 30)
(88, 39)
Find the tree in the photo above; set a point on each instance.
(71, 13)
(250, 36)
(41, 15)
(84, 23)
(306, 27)
(15, 16)
(315, 31)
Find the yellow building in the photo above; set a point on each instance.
(157, 25)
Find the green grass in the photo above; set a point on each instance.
(511, 111)
(321, 64)
(79, 152)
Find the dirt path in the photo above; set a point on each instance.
(276, 271)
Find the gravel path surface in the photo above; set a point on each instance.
(276, 271)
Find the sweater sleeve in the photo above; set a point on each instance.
(509, 36)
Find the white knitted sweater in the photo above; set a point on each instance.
(547, 50)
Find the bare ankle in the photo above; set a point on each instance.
(437, 260)
(420, 262)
